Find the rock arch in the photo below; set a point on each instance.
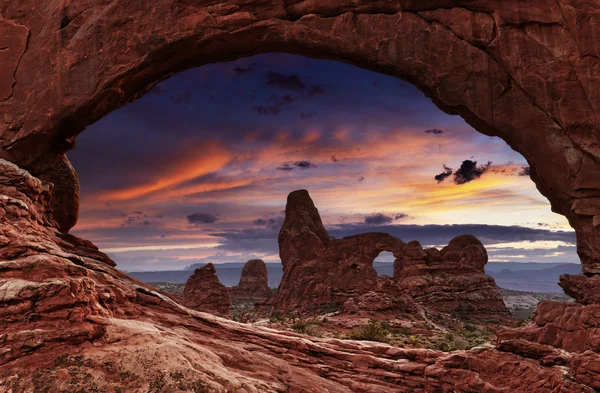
(527, 73)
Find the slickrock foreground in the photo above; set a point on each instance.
(204, 292)
(254, 282)
(324, 272)
(71, 321)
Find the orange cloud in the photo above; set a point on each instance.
(208, 158)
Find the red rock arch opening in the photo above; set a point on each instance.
(84, 69)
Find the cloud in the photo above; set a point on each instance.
(273, 222)
(361, 179)
(525, 171)
(315, 90)
(434, 131)
(202, 218)
(442, 176)
(467, 172)
(378, 219)
(334, 159)
(279, 102)
(242, 70)
(287, 166)
(400, 216)
(286, 82)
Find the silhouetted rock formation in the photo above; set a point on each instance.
(254, 282)
(71, 322)
(204, 292)
(321, 271)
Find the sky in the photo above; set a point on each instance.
(198, 169)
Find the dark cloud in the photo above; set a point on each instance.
(243, 70)
(334, 159)
(361, 179)
(202, 218)
(314, 90)
(182, 98)
(400, 216)
(434, 131)
(276, 107)
(273, 222)
(287, 166)
(525, 171)
(442, 176)
(288, 82)
(469, 171)
(307, 115)
(378, 219)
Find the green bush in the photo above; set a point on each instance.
(309, 327)
(373, 331)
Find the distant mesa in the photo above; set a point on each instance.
(254, 282)
(321, 271)
(204, 292)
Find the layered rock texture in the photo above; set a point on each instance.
(204, 292)
(323, 272)
(525, 71)
(254, 282)
(71, 322)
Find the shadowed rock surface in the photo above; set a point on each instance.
(254, 282)
(204, 292)
(321, 271)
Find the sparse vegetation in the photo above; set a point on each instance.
(373, 331)
(311, 327)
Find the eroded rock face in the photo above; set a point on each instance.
(204, 292)
(323, 272)
(70, 322)
(254, 282)
(527, 72)
(584, 289)
(320, 271)
(450, 280)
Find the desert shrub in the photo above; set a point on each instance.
(373, 331)
(276, 316)
(309, 327)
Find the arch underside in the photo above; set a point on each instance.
(527, 74)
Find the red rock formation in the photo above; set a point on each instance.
(584, 289)
(320, 271)
(481, 60)
(254, 282)
(70, 322)
(450, 280)
(204, 292)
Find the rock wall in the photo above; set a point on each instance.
(71, 322)
(321, 272)
(527, 72)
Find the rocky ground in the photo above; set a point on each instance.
(523, 304)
